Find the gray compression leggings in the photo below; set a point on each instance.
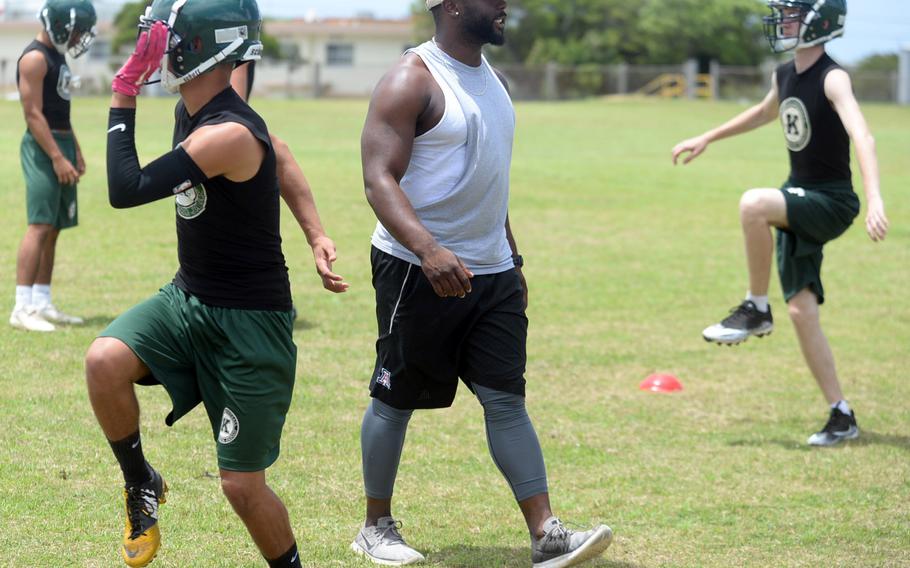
(510, 437)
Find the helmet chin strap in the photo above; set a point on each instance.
(172, 83)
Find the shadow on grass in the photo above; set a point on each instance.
(302, 324)
(787, 444)
(866, 438)
(484, 556)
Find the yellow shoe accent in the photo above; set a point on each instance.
(140, 552)
(141, 542)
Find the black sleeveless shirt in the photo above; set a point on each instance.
(56, 88)
(228, 239)
(818, 143)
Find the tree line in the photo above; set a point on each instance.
(604, 32)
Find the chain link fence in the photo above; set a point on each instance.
(546, 82)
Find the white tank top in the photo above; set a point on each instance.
(458, 177)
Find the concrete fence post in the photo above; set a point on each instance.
(903, 86)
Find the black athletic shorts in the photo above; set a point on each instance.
(816, 214)
(426, 343)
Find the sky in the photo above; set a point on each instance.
(873, 26)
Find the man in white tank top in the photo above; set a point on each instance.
(450, 296)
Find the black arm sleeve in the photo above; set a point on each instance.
(128, 185)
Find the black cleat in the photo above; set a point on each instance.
(840, 427)
(744, 320)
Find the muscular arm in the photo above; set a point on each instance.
(840, 92)
(227, 149)
(398, 103)
(32, 69)
(295, 190)
(750, 119)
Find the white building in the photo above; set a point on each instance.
(93, 69)
(331, 58)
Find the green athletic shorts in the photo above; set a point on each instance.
(816, 214)
(239, 363)
(48, 202)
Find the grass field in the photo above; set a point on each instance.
(627, 260)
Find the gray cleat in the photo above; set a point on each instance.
(560, 547)
(383, 544)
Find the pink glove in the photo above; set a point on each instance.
(144, 61)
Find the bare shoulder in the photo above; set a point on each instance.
(222, 136)
(32, 65)
(408, 79)
(837, 76)
(838, 84)
(226, 149)
(404, 93)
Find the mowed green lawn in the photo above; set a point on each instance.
(627, 259)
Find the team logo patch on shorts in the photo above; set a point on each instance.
(384, 378)
(797, 191)
(230, 427)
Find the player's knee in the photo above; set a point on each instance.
(240, 493)
(41, 231)
(109, 362)
(751, 206)
(802, 312)
(99, 368)
(502, 408)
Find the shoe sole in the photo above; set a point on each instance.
(357, 549)
(838, 439)
(593, 547)
(732, 342)
(152, 559)
(18, 325)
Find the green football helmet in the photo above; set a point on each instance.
(819, 21)
(70, 24)
(203, 33)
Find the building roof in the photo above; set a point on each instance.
(346, 26)
(34, 26)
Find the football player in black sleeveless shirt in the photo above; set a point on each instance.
(221, 332)
(51, 158)
(813, 98)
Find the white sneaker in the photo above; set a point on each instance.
(50, 313)
(560, 547)
(24, 318)
(383, 544)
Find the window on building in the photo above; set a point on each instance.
(340, 54)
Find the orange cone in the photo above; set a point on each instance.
(661, 382)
